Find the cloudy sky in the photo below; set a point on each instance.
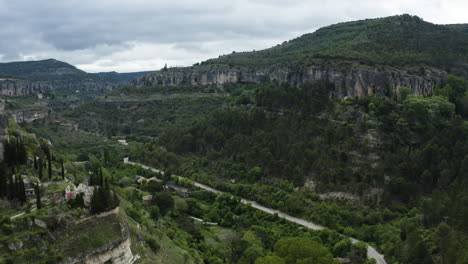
(135, 35)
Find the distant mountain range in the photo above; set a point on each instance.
(26, 77)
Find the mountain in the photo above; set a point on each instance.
(29, 77)
(360, 58)
(395, 40)
(42, 70)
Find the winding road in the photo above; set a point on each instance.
(371, 252)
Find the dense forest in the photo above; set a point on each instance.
(405, 158)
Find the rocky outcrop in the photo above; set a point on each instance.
(17, 87)
(28, 115)
(3, 127)
(117, 252)
(354, 82)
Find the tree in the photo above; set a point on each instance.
(63, 170)
(164, 201)
(255, 174)
(41, 166)
(154, 212)
(49, 171)
(153, 187)
(444, 240)
(270, 260)
(302, 250)
(404, 92)
(103, 200)
(38, 196)
(21, 190)
(342, 248)
(358, 253)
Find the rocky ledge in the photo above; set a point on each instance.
(354, 82)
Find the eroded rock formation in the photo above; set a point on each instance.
(16, 87)
(355, 82)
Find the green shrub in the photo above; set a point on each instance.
(153, 244)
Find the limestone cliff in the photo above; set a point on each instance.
(351, 81)
(117, 252)
(18, 87)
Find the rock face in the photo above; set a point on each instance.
(117, 252)
(28, 115)
(354, 82)
(16, 87)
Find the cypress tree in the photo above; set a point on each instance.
(101, 179)
(63, 171)
(38, 196)
(22, 191)
(3, 180)
(49, 159)
(106, 184)
(40, 168)
(91, 180)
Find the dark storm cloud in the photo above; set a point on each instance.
(99, 33)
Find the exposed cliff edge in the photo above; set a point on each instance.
(354, 82)
(18, 87)
(118, 252)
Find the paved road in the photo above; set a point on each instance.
(371, 252)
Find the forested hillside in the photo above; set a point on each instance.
(398, 40)
(405, 161)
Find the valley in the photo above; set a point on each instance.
(334, 147)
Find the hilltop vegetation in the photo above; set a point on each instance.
(42, 70)
(397, 41)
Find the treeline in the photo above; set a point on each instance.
(103, 198)
(12, 185)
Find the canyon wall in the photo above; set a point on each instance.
(17, 87)
(354, 82)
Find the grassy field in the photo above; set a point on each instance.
(86, 236)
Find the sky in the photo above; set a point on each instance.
(138, 35)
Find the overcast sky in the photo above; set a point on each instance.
(136, 35)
